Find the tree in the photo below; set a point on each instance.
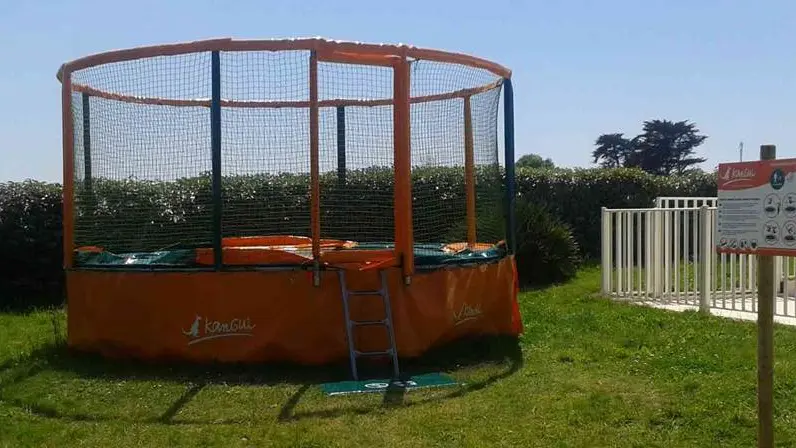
(534, 161)
(613, 150)
(668, 147)
(664, 147)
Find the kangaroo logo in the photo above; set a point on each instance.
(194, 331)
(213, 329)
(734, 175)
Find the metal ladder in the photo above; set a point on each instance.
(350, 325)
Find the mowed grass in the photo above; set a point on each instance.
(586, 373)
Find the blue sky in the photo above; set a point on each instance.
(581, 68)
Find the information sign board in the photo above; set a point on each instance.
(756, 209)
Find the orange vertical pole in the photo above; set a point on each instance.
(315, 189)
(69, 169)
(404, 240)
(469, 171)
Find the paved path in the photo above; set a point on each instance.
(742, 309)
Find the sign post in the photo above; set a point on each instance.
(756, 214)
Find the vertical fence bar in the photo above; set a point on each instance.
(723, 273)
(341, 161)
(605, 250)
(705, 252)
(667, 254)
(403, 169)
(695, 247)
(713, 214)
(315, 189)
(786, 290)
(618, 252)
(469, 172)
(677, 261)
(639, 239)
(753, 286)
(508, 143)
(628, 245)
(733, 289)
(785, 284)
(742, 278)
(689, 264)
(657, 263)
(648, 249)
(68, 168)
(215, 147)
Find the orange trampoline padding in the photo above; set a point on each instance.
(288, 250)
(280, 316)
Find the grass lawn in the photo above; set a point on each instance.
(586, 373)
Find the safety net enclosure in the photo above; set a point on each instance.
(280, 156)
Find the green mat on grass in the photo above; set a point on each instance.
(381, 385)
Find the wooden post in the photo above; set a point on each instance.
(765, 337)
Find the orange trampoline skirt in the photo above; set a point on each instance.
(279, 316)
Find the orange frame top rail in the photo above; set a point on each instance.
(371, 54)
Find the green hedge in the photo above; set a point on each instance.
(577, 196)
(30, 245)
(125, 215)
(131, 215)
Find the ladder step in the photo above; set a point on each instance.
(381, 353)
(366, 323)
(384, 294)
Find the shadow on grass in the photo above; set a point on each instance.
(472, 352)
(504, 351)
(31, 298)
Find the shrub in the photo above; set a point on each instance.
(577, 195)
(546, 250)
(30, 245)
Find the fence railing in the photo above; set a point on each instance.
(666, 254)
(684, 202)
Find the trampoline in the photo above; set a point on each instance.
(304, 201)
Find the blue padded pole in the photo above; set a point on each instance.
(341, 162)
(511, 186)
(88, 180)
(215, 146)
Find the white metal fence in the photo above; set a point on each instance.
(666, 255)
(684, 202)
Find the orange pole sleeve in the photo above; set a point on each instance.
(69, 170)
(404, 241)
(315, 189)
(469, 172)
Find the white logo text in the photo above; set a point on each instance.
(214, 329)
